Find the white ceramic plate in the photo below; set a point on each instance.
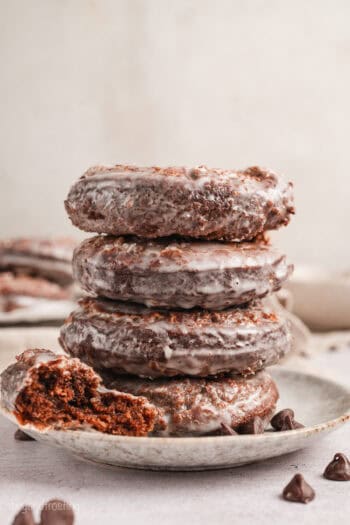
(320, 404)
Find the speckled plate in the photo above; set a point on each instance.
(320, 404)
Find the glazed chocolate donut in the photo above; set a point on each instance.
(172, 273)
(193, 202)
(24, 291)
(130, 338)
(47, 258)
(192, 406)
(49, 390)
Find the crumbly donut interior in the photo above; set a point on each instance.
(68, 397)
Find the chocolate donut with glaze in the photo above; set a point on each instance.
(24, 291)
(47, 258)
(193, 202)
(49, 390)
(132, 339)
(174, 273)
(194, 407)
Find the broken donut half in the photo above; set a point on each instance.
(50, 390)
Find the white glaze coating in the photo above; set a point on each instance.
(168, 256)
(102, 185)
(182, 274)
(199, 407)
(196, 202)
(151, 346)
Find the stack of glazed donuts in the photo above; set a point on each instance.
(176, 279)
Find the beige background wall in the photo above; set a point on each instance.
(229, 83)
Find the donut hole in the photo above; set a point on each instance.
(68, 396)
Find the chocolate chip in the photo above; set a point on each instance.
(284, 420)
(22, 436)
(24, 517)
(56, 512)
(290, 424)
(298, 490)
(278, 419)
(228, 430)
(254, 426)
(338, 469)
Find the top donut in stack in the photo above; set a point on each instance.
(178, 238)
(200, 203)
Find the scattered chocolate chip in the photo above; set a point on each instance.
(290, 424)
(298, 490)
(284, 420)
(56, 512)
(22, 436)
(24, 517)
(278, 419)
(338, 469)
(228, 430)
(255, 426)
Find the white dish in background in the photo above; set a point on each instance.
(321, 298)
(320, 404)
